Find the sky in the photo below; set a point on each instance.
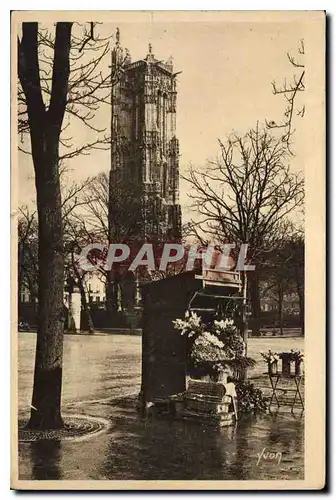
(227, 64)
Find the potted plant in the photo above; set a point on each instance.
(205, 356)
(287, 359)
(211, 348)
(250, 398)
(297, 357)
(271, 358)
(203, 348)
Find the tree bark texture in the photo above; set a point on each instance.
(255, 302)
(45, 128)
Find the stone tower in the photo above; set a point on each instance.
(145, 150)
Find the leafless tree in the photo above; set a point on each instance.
(91, 223)
(28, 270)
(74, 242)
(123, 212)
(246, 196)
(59, 76)
(283, 273)
(89, 86)
(290, 92)
(123, 219)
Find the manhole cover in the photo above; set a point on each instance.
(75, 427)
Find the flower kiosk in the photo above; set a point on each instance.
(190, 339)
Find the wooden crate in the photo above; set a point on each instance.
(206, 402)
(220, 420)
(211, 390)
(203, 405)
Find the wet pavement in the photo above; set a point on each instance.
(266, 447)
(94, 367)
(102, 377)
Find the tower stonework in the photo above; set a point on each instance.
(145, 150)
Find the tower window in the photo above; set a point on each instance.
(158, 111)
(164, 111)
(136, 117)
(164, 181)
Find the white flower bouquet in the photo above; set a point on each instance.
(270, 357)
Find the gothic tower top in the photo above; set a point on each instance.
(145, 149)
(117, 52)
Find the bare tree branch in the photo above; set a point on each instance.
(247, 195)
(90, 84)
(290, 92)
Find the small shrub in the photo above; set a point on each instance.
(250, 398)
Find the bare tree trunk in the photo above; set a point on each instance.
(86, 307)
(301, 307)
(300, 292)
(45, 128)
(46, 402)
(280, 306)
(20, 269)
(255, 303)
(111, 296)
(244, 323)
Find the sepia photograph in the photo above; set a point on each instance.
(168, 250)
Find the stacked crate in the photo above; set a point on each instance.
(206, 402)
